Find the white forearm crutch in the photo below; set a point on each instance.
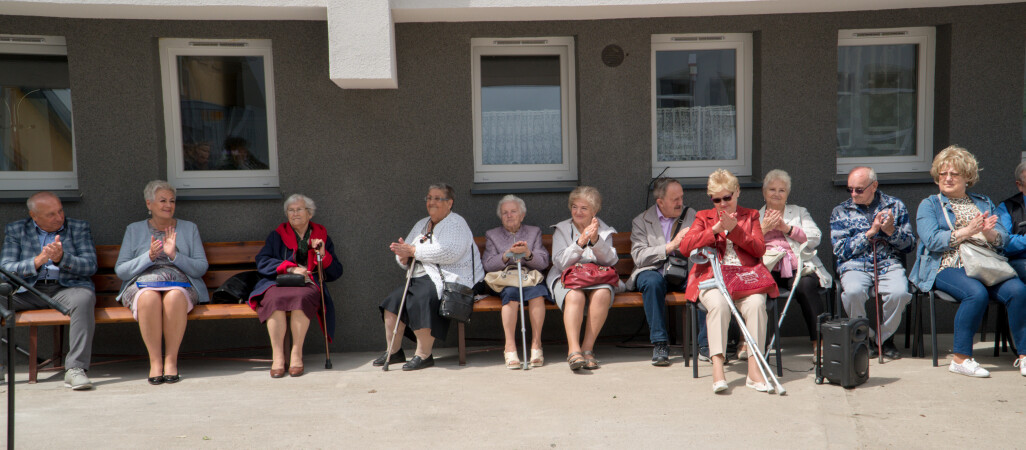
(708, 255)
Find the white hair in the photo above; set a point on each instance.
(296, 198)
(511, 198)
(777, 174)
(31, 202)
(869, 172)
(150, 191)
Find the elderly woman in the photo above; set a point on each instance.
(513, 237)
(790, 230)
(441, 248)
(944, 222)
(298, 247)
(162, 264)
(736, 234)
(582, 239)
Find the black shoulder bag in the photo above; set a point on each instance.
(676, 271)
(457, 299)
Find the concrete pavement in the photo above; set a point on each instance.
(626, 404)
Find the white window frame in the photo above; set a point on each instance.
(560, 46)
(41, 180)
(742, 44)
(170, 50)
(926, 39)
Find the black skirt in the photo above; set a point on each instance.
(421, 309)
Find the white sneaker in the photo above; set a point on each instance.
(76, 379)
(969, 368)
(1021, 364)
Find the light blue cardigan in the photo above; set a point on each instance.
(134, 256)
(935, 236)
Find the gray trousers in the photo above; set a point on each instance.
(81, 303)
(856, 287)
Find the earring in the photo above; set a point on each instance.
(149, 213)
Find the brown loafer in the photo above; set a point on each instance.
(277, 373)
(295, 371)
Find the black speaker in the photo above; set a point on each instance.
(845, 352)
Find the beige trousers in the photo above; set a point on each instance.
(752, 308)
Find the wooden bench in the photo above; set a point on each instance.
(225, 259)
(622, 243)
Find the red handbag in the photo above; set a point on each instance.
(589, 274)
(743, 281)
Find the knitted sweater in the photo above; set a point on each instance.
(447, 255)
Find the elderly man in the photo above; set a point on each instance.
(1012, 215)
(57, 256)
(871, 219)
(655, 234)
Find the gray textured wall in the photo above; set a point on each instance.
(366, 156)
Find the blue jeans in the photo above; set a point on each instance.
(973, 297)
(1020, 267)
(652, 286)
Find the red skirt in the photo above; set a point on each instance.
(279, 298)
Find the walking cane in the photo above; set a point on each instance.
(794, 287)
(324, 313)
(402, 304)
(523, 322)
(708, 255)
(876, 295)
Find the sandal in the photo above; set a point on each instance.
(537, 357)
(590, 363)
(576, 360)
(512, 361)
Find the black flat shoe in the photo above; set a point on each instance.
(169, 379)
(418, 363)
(397, 357)
(155, 380)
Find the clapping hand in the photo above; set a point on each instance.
(727, 222)
(771, 221)
(402, 249)
(675, 243)
(590, 233)
(519, 247)
(155, 246)
(53, 251)
(170, 236)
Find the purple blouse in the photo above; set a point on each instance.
(499, 240)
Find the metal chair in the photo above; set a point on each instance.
(691, 335)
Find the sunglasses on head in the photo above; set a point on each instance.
(725, 198)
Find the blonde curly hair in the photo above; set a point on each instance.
(722, 180)
(958, 159)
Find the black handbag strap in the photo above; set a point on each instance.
(473, 264)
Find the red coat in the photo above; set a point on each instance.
(746, 236)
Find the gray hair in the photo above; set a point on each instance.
(450, 193)
(870, 172)
(296, 198)
(31, 202)
(150, 191)
(1019, 170)
(661, 185)
(777, 174)
(511, 198)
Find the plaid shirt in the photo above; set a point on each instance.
(21, 245)
(853, 251)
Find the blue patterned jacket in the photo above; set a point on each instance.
(853, 251)
(21, 245)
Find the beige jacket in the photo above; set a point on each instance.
(648, 245)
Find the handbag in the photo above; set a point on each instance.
(588, 274)
(772, 257)
(507, 277)
(676, 270)
(457, 300)
(237, 288)
(743, 281)
(290, 280)
(980, 261)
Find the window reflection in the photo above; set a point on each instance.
(696, 105)
(35, 117)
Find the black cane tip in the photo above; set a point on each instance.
(327, 364)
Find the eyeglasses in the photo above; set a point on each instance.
(297, 211)
(859, 191)
(951, 174)
(725, 198)
(437, 199)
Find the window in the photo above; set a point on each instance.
(885, 99)
(219, 113)
(701, 104)
(37, 140)
(1024, 117)
(524, 109)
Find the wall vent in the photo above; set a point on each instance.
(23, 40)
(217, 44)
(881, 33)
(696, 38)
(522, 42)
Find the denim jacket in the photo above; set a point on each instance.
(853, 251)
(935, 236)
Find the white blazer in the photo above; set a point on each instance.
(797, 216)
